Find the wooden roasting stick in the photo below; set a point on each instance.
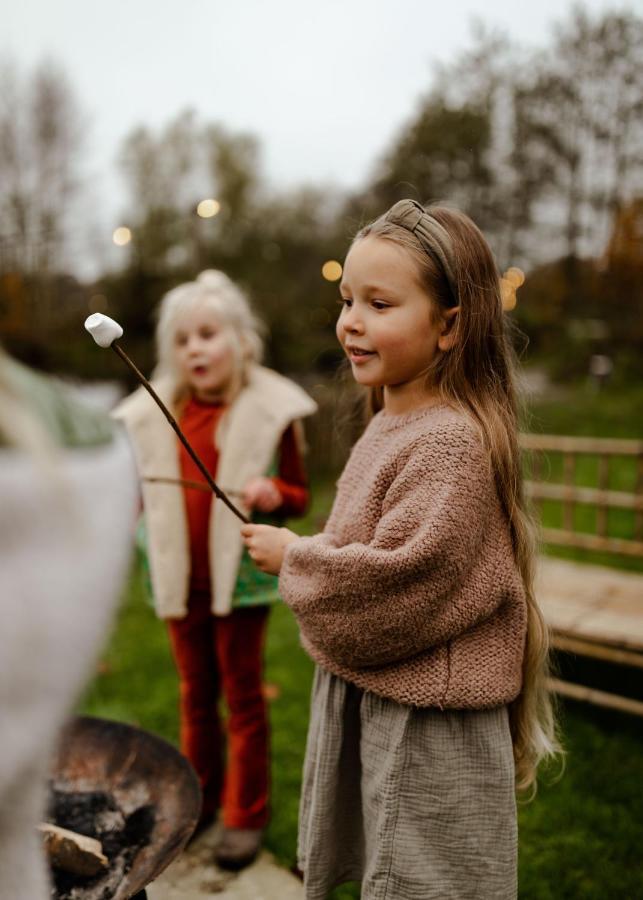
(197, 485)
(105, 332)
(72, 852)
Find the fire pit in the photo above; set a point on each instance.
(131, 790)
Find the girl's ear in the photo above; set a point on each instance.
(446, 338)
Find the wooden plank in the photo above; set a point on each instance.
(569, 463)
(595, 612)
(591, 602)
(565, 614)
(536, 471)
(560, 443)
(638, 518)
(620, 631)
(592, 541)
(598, 698)
(603, 503)
(587, 495)
(619, 625)
(597, 650)
(623, 630)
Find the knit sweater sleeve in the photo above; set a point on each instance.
(421, 580)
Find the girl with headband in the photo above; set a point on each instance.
(429, 704)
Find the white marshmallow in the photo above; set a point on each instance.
(103, 329)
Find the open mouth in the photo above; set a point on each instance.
(199, 370)
(356, 354)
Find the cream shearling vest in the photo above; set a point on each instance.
(247, 439)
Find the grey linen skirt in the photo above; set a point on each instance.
(415, 804)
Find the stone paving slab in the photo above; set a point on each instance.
(194, 876)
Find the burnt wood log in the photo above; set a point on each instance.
(72, 852)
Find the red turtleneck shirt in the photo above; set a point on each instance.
(199, 421)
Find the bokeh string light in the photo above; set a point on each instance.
(208, 208)
(332, 270)
(512, 279)
(121, 236)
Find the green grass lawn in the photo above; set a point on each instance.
(582, 410)
(580, 838)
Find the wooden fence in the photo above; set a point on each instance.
(597, 615)
(601, 496)
(340, 420)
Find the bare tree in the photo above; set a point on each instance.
(40, 143)
(581, 115)
(169, 172)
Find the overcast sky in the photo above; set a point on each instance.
(324, 85)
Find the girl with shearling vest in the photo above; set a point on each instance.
(244, 421)
(429, 704)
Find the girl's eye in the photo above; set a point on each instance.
(180, 340)
(379, 304)
(345, 301)
(207, 333)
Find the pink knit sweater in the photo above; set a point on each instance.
(412, 591)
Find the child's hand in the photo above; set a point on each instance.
(266, 545)
(262, 494)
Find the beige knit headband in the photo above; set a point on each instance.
(433, 238)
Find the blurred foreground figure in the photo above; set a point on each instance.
(67, 502)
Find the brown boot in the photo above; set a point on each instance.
(238, 847)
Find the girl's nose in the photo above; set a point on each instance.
(351, 322)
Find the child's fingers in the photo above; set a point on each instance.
(264, 546)
(257, 539)
(248, 531)
(254, 552)
(257, 554)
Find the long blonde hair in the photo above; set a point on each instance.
(477, 375)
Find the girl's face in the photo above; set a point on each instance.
(204, 353)
(387, 325)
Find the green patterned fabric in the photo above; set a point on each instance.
(68, 421)
(253, 587)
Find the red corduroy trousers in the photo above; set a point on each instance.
(217, 655)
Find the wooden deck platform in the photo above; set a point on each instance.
(593, 611)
